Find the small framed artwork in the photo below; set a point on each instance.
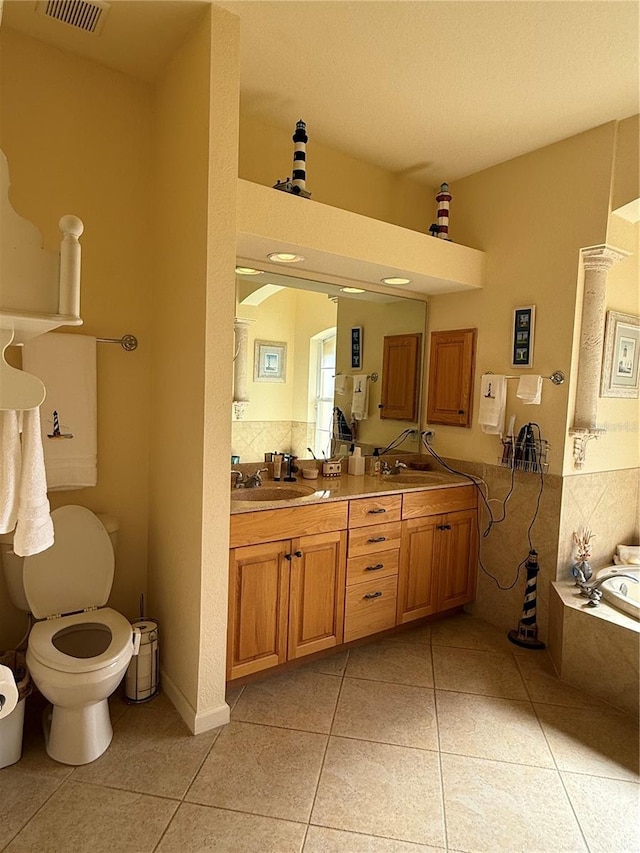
(620, 355)
(524, 320)
(356, 348)
(270, 361)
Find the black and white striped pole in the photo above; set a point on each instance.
(526, 634)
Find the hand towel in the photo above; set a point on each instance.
(34, 530)
(530, 390)
(10, 467)
(493, 403)
(67, 366)
(360, 398)
(340, 384)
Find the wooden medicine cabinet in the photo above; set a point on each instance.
(399, 398)
(451, 367)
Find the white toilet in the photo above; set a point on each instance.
(78, 654)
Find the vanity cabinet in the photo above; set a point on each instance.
(438, 564)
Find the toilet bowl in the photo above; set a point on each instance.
(78, 654)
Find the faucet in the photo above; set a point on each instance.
(239, 479)
(593, 591)
(397, 467)
(255, 479)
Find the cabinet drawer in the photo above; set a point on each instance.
(371, 540)
(369, 566)
(269, 525)
(366, 511)
(438, 501)
(370, 607)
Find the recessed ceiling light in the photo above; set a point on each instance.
(396, 280)
(352, 290)
(285, 257)
(247, 271)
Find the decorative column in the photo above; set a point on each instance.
(240, 359)
(597, 261)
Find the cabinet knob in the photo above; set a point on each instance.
(375, 568)
(378, 539)
(376, 511)
(297, 554)
(444, 527)
(373, 595)
(288, 557)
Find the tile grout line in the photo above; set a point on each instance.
(435, 709)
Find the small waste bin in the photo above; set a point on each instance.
(14, 677)
(142, 681)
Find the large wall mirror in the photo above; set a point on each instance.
(305, 351)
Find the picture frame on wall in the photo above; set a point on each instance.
(356, 348)
(524, 321)
(270, 361)
(620, 357)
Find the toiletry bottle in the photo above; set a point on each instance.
(277, 465)
(356, 462)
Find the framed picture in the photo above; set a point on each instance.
(620, 356)
(270, 361)
(524, 320)
(356, 348)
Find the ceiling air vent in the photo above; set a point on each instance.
(86, 15)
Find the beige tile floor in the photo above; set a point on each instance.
(443, 738)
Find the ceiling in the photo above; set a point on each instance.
(428, 89)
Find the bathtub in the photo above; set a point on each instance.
(621, 593)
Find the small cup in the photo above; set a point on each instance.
(310, 473)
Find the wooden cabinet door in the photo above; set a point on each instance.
(451, 366)
(400, 377)
(316, 609)
(258, 608)
(456, 558)
(417, 580)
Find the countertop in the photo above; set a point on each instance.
(345, 487)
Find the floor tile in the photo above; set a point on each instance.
(152, 751)
(488, 727)
(295, 700)
(81, 817)
(608, 811)
(543, 685)
(387, 713)
(501, 808)
(263, 770)
(592, 741)
(392, 660)
(203, 828)
(463, 631)
(21, 795)
(418, 634)
(331, 665)
(232, 696)
(320, 839)
(471, 671)
(378, 789)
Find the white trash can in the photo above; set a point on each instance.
(142, 681)
(12, 720)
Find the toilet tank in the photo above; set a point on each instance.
(12, 563)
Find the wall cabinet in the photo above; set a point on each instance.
(401, 357)
(451, 367)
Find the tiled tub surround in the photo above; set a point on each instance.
(444, 738)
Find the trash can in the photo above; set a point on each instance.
(15, 686)
(142, 681)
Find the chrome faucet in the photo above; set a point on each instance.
(397, 467)
(255, 479)
(593, 591)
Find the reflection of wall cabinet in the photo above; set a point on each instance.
(400, 377)
(438, 554)
(451, 363)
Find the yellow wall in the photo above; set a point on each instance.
(626, 177)
(77, 139)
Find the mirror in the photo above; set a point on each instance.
(305, 350)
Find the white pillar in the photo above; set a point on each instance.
(240, 361)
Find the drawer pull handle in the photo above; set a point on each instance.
(376, 511)
(373, 595)
(378, 539)
(374, 568)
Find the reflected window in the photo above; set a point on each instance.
(325, 380)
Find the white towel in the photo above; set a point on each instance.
(340, 384)
(360, 398)
(67, 366)
(10, 467)
(34, 530)
(493, 403)
(530, 390)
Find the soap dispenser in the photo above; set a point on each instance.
(356, 462)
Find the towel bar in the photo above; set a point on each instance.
(127, 342)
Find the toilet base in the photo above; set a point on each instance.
(77, 735)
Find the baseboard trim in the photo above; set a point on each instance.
(196, 722)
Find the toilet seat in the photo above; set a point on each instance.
(43, 633)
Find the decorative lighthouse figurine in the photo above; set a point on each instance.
(297, 184)
(443, 199)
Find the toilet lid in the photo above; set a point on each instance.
(76, 572)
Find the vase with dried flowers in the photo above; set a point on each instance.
(582, 570)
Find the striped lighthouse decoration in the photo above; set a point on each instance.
(526, 634)
(443, 199)
(296, 185)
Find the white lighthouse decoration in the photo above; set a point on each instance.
(443, 200)
(296, 185)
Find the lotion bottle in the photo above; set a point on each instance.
(277, 465)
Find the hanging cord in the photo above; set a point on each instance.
(397, 441)
(476, 482)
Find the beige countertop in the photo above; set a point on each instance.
(345, 487)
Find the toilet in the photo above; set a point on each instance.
(79, 650)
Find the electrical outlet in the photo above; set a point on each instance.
(429, 433)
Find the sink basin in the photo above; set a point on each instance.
(267, 494)
(415, 478)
